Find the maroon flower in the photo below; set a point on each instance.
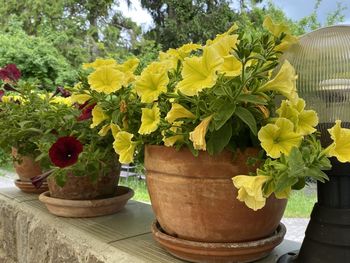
(65, 151)
(10, 73)
(60, 90)
(86, 111)
(2, 93)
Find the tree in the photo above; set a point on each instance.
(179, 22)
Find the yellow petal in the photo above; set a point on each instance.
(251, 190)
(199, 73)
(80, 98)
(149, 120)
(231, 67)
(152, 82)
(98, 116)
(177, 111)
(279, 138)
(124, 146)
(100, 63)
(129, 66)
(340, 148)
(197, 136)
(284, 82)
(104, 130)
(106, 79)
(115, 129)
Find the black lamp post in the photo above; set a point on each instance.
(322, 62)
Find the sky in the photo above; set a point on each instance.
(295, 9)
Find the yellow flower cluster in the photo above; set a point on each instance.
(108, 76)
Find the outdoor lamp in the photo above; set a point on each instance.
(322, 62)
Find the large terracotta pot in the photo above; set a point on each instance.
(26, 167)
(83, 188)
(194, 198)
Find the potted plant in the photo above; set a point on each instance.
(20, 108)
(84, 169)
(216, 137)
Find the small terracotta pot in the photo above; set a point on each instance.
(26, 168)
(194, 198)
(83, 188)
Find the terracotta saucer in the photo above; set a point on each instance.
(87, 208)
(28, 187)
(218, 252)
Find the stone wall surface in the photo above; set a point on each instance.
(28, 235)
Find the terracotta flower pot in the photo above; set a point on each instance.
(194, 198)
(26, 168)
(83, 188)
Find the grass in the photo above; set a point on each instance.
(299, 204)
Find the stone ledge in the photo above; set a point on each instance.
(29, 234)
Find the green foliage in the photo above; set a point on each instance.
(37, 59)
(180, 22)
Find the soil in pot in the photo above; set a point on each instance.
(194, 199)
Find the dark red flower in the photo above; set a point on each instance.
(10, 73)
(86, 112)
(2, 93)
(65, 151)
(60, 90)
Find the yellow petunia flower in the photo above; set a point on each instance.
(61, 100)
(152, 82)
(304, 121)
(251, 190)
(197, 136)
(284, 82)
(277, 30)
(80, 98)
(199, 73)
(129, 66)
(184, 51)
(170, 141)
(124, 146)
(12, 98)
(231, 67)
(115, 129)
(168, 60)
(98, 116)
(104, 130)
(340, 148)
(177, 111)
(106, 79)
(224, 46)
(100, 63)
(150, 120)
(279, 138)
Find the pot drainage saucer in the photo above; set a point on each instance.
(28, 187)
(87, 208)
(218, 252)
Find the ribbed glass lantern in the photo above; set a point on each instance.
(322, 62)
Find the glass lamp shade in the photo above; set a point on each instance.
(322, 61)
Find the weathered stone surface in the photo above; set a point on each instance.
(28, 235)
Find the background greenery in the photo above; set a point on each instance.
(51, 39)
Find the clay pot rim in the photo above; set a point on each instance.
(28, 187)
(160, 235)
(126, 194)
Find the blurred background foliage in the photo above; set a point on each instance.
(49, 40)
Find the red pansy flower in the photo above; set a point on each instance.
(65, 151)
(86, 112)
(10, 73)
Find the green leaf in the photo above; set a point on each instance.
(219, 139)
(223, 114)
(247, 117)
(61, 178)
(251, 98)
